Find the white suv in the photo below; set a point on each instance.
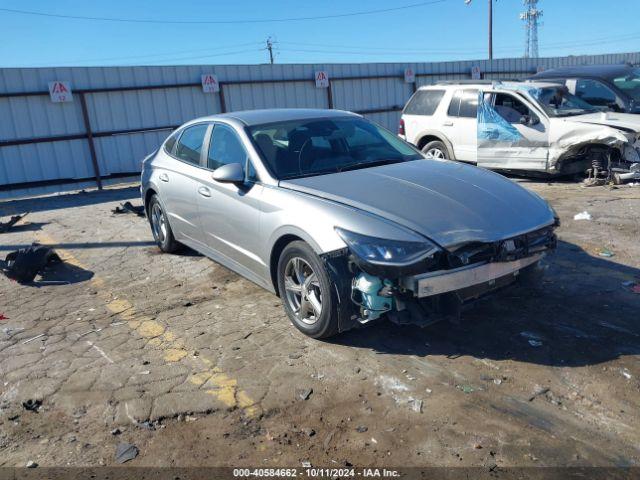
(518, 126)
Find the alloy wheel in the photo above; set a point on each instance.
(302, 290)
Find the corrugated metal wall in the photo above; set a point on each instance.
(129, 124)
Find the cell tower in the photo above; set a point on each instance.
(531, 17)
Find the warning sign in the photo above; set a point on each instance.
(210, 83)
(60, 92)
(475, 73)
(322, 79)
(409, 75)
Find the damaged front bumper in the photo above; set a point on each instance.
(439, 291)
(444, 281)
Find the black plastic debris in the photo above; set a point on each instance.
(23, 265)
(127, 207)
(5, 227)
(32, 405)
(126, 452)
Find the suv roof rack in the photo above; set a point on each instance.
(466, 82)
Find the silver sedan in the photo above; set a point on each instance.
(340, 218)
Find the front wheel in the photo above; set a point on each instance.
(162, 233)
(436, 149)
(306, 291)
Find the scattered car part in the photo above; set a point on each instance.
(126, 452)
(5, 227)
(128, 207)
(24, 264)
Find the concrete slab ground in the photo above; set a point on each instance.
(197, 366)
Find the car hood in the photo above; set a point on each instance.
(612, 119)
(449, 202)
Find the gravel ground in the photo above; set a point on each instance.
(197, 366)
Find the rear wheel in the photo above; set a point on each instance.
(306, 291)
(436, 149)
(162, 233)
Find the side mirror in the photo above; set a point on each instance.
(230, 173)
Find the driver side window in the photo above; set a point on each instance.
(225, 148)
(510, 108)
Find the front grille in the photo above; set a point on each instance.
(502, 251)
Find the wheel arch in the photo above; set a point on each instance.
(274, 257)
(432, 136)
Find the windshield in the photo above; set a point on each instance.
(629, 84)
(303, 148)
(558, 102)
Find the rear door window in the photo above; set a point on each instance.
(424, 102)
(189, 146)
(469, 104)
(454, 106)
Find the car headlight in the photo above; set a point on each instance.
(380, 251)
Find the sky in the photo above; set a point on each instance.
(432, 30)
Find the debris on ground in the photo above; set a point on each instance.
(126, 452)
(31, 464)
(32, 405)
(2, 317)
(309, 432)
(116, 431)
(128, 207)
(33, 338)
(537, 391)
(5, 227)
(361, 429)
(625, 373)
(582, 216)
(23, 265)
(465, 388)
(304, 394)
(416, 405)
(605, 252)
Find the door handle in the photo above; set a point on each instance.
(164, 177)
(447, 124)
(204, 191)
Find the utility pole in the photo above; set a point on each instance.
(531, 16)
(468, 2)
(490, 29)
(270, 48)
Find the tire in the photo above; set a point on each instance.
(160, 228)
(436, 149)
(317, 289)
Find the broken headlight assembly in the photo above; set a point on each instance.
(379, 255)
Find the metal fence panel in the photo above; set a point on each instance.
(124, 121)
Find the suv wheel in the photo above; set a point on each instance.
(436, 149)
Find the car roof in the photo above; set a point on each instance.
(494, 84)
(602, 71)
(270, 115)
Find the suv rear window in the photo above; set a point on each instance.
(424, 102)
(464, 103)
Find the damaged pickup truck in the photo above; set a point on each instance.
(343, 220)
(514, 126)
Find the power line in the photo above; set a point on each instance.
(218, 22)
(358, 49)
(163, 54)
